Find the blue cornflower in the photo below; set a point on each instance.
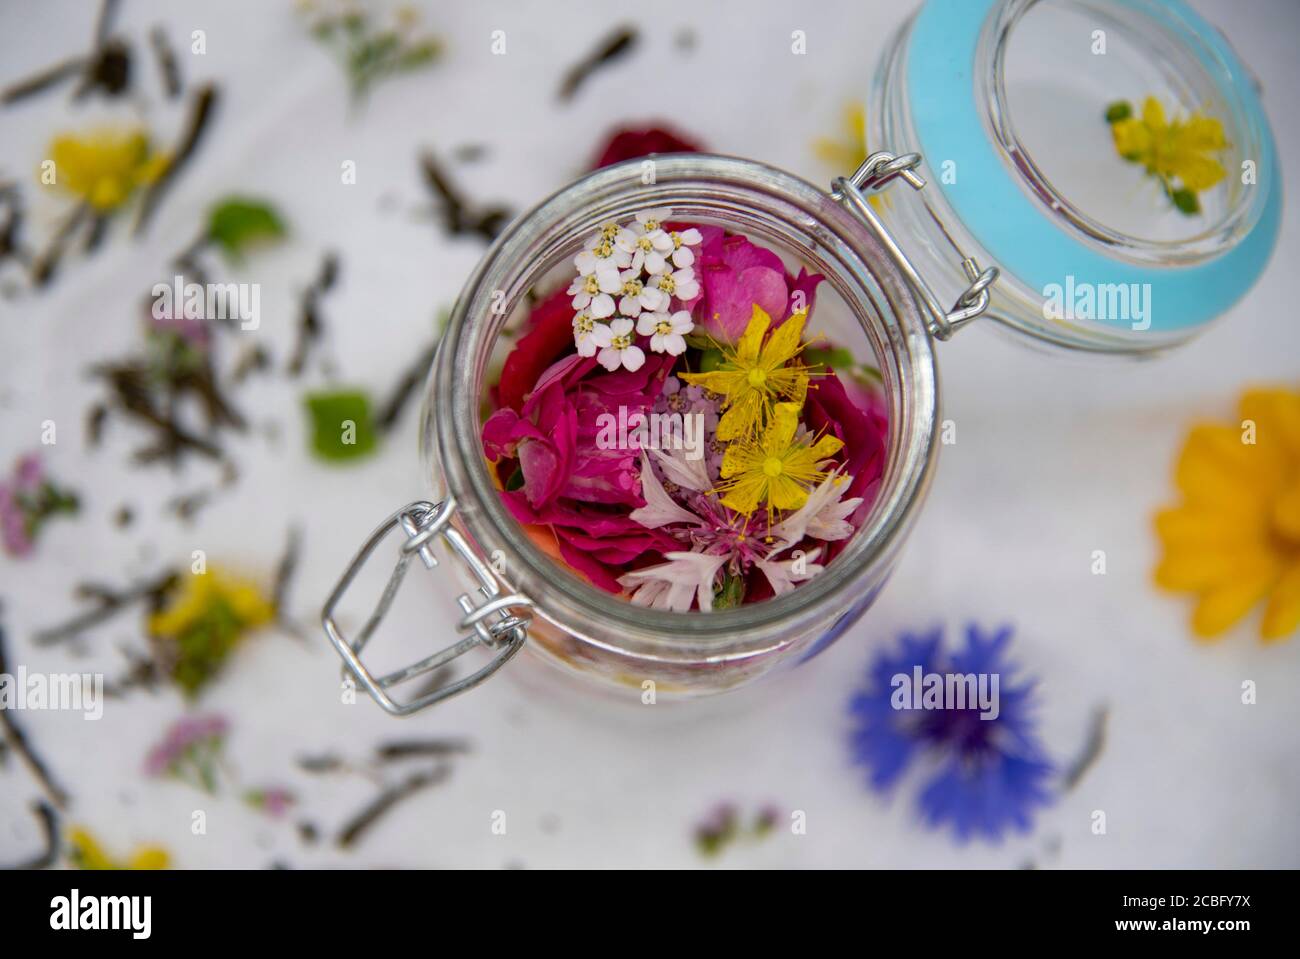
(984, 775)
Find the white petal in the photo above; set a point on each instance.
(647, 323)
(661, 240)
(682, 469)
(681, 321)
(655, 262)
(660, 509)
(585, 262)
(630, 306)
(688, 290)
(674, 343)
(601, 335)
(608, 277)
(682, 256)
(586, 345)
(691, 237)
(633, 358)
(621, 326)
(610, 358)
(602, 306)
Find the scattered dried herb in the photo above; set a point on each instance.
(154, 388)
(49, 856)
(391, 410)
(615, 46)
(370, 53)
(17, 739)
(421, 748)
(46, 263)
(200, 114)
(459, 217)
(106, 67)
(108, 602)
(374, 811)
(310, 327)
(167, 64)
(1091, 751)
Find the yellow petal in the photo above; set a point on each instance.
(785, 494)
(748, 348)
(1153, 114)
(744, 494)
(1222, 607)
(1203, 527)
(780, 432)
(1216, 468)
(1282, 615)
(784, 343)
(826, 447)
(1204, 133)
(1194, 570)
(1276, 415)
(716, 381)
(741, 419)
(150, 857)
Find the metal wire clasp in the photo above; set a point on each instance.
(878, 171)
(495, 623)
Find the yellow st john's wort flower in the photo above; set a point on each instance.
(1181, 149)
(778, 470)
(106, 166)
(753, 376)
(205, 622)
(1235, 539)
(86, 853)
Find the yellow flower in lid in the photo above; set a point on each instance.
(753, 376)
(1181, 152)
(1234, 541)
(105, 167)
(777, 471)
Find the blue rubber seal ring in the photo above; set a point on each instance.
(1022, 238)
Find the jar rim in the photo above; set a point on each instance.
(725, 185)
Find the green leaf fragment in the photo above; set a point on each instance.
(730, 592)
(236, 223)
(1186, 202)
(342, 425)
(1119, 110)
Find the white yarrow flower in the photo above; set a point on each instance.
(620, 349)
(679, 283)
(588, 335)
(667, 333)
(605, 253)
(592, 292)
(637, 296)
(683, 255)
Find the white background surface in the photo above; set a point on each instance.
(1055, 457)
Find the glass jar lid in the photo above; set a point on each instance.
(1111, 157)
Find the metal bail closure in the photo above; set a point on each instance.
(492, 623)
(878, 171)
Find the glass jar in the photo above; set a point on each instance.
(943, 86)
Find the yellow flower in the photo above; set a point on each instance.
(1235, 539)
(86, 853)
(105, 167)
(753, 375)
(1181, 149)
(778, 470)
(202, 593)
